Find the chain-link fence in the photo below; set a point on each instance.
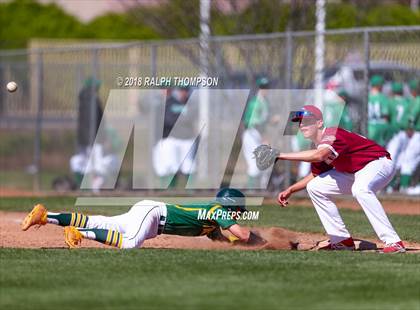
(39, 122)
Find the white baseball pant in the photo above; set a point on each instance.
(140, 223)
(396, 146)
(410, 158)
(170, 154)
(362, 185)
(251, 138)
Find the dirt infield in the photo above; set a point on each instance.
(51, 236)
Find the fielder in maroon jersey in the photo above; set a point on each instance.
(343, 163)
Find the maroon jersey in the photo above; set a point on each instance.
(350, 152)
(318, 168)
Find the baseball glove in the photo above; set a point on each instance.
(265, 156)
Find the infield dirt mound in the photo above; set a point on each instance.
(51, 236)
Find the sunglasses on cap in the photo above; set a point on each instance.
(299, 115)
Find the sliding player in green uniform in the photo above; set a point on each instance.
(147, 219)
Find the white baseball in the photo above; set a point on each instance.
(11, 86)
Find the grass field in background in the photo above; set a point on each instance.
(293, 217)
(198, 279)
(203, 279)
(20, 179)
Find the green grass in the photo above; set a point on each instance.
(20, 179)
(294, 217)
(191, 279)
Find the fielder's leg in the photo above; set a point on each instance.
(372, 178)
(320, 190)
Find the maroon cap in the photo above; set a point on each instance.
(307, 111)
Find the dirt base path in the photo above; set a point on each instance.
(51, 236)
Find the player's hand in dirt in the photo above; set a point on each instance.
(283, 197)
(217, 235)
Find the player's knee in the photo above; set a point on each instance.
(359, 191)
(312, 186)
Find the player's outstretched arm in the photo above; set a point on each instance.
(312, 156)
(217, 235)
(245, 235)
(283, 196)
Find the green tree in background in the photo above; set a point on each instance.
(118, 26)
(391, 15)
(21, 20)
(180, 19)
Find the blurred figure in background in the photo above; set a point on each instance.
(336, 110)
(255, 118)
(301, 144)
(399, 119)
(410, 158)
(102, 152)
(378, 112)
(86, 129)
(176, 150)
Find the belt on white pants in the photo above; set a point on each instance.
(162, 222)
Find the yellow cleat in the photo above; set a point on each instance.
(72, 237)
(38, 216)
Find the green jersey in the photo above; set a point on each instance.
(378, 115)
(378, 108)
(400, 113)
(195, 219)
(302, 143)
(256, 113)
(336, 114)
(415, 113)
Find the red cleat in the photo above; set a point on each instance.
(397, 247)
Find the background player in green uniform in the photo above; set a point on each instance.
(411, 155)
(400, 111)
(378, 112)
(147, 219)
(255, 119)
(336, 113)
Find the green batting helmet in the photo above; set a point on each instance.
(377, 80)
(231, 198)
(262, 82)
(92, 81)
(397, 88)
(414, 84)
